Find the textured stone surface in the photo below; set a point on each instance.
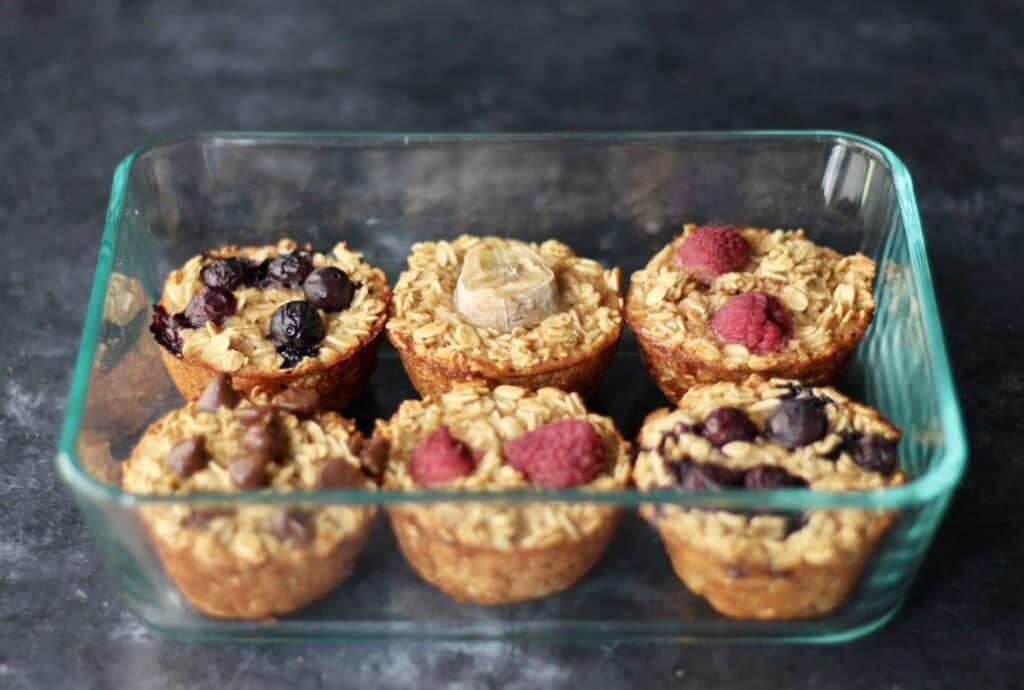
(83, 83)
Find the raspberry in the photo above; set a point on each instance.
(757, 320)
(439, 458)
(564, 453)
(711, 250)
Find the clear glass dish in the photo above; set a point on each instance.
(614, 197)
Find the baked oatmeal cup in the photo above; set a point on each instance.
(500, 311)
(476, 439)
(721, 303)
(238, 560)
(274, 317)
(763, 435)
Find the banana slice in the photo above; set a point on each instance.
(504, 287)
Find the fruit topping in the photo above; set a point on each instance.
(727, 424)
(796, 422)
(329, 288)
(505, 288)
(210, 304)
(439, 458)
(756, 320)
(711, 250)
(565, 453)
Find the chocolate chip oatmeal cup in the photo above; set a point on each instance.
(721, 303)
(273, 317)
(239, 560)
(475, 439)
(500, 311)
(763, 435)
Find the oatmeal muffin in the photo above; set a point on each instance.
(237, 560)
(721, 303)
(764, 435)
(476, 439)
(276, 317)
(499, 311)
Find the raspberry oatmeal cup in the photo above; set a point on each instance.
(273, 317)
(477, 439)
(763, 435)
(500, 311)
(721, 303)
(236, 560)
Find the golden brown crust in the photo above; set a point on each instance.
(766, 565)
(828, 297)
(219, 584)
(675, 372)
(250, 560)
(581, 374)
(497, 576)
(749, 590)
(338, 384)
(347, 356)
(498, 552)
(569, 349)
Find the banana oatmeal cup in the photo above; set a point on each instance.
(721, 303)
(764, 435)
(274, 317)
(476, 439)
(238, 560)
(500, 311)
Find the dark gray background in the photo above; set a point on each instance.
(83, 83)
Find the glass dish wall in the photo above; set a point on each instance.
(615, 197)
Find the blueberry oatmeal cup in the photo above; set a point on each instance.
(500, 311)
(476, 439)
(763, 435)
(237, 560)
(274, 317)
(721, 303)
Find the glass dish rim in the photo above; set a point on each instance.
(937, 481)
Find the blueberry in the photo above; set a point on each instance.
(227, 273)
(289, 270)
(728, 424)
(329, 288)
(167, 329)
(209, 304)
(698, 476)
(797, 422)
(764, 477)
(875, 453)
(296, 325)
(291, 356)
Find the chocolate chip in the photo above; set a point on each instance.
(373, 455)
(300, 401)
(188, 456)
(248, 472)
(336, 473)
(218, 393)
(263, 443)
(292, 525)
